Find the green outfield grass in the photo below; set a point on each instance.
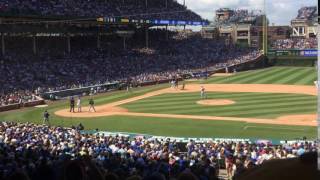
(273, 75)
(256, 105)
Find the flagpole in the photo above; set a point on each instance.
(265, 29)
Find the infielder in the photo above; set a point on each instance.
(91, 103)
(316, 84)
(183, 85)
(176, 84)
(79, 104)
(203, 94)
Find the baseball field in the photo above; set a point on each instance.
(276, 102)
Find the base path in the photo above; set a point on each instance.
(112, 109)
(222, 74)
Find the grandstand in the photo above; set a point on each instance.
(305, 24)
(308, 13)
(227, 16)
(133, 9)
(168, 104)
(302, 43)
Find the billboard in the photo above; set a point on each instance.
(309, 53)
(154, 21)
(294, 52)
(177, 22)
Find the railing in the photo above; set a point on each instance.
(60, 94)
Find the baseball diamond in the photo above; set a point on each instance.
(266, 105)
(159, 90)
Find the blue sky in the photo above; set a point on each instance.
(279, 12)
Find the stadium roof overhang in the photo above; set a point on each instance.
(57, 24)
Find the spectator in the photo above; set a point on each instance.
(40, 150)
(295, 43)
(134, 9)
(164, 60)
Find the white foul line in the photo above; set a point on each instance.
(246, 127)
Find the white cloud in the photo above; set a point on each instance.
(279, 12)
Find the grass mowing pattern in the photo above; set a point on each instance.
(273, 75)
(254, 105)
(182, 127)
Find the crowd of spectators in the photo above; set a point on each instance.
(295, 43)
(17, 97)
(85, 65)
(135, 9)
(42, 152)
(307, 13)
(236, 16)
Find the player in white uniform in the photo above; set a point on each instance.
(316, 84)
(79, 104)
(203, 93)
(172, 84)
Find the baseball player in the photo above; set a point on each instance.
(79, 104)
(172, 84)
(203, 94)
(316, 84)
(46, 117)
(91, 103)
(176, 83)
(183, 85)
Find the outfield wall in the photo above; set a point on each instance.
(260, 62)
(292, 61)
(293, 57)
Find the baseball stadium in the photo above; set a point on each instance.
(130, 90)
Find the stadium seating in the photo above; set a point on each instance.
(308, 13)
(135, 9)
(55, 69)
(297, 43)
(30, 151)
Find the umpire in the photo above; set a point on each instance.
(72, 104)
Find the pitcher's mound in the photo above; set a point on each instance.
(215, 102)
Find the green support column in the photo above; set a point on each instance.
(34, 44)
(3, 45)
(167, 33)
(68, 44)
(147, 37)
(98, 41)
(124, 43)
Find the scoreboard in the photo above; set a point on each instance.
(294, 52)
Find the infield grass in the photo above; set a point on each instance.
(254, 105)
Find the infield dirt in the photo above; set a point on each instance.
(112, 109)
